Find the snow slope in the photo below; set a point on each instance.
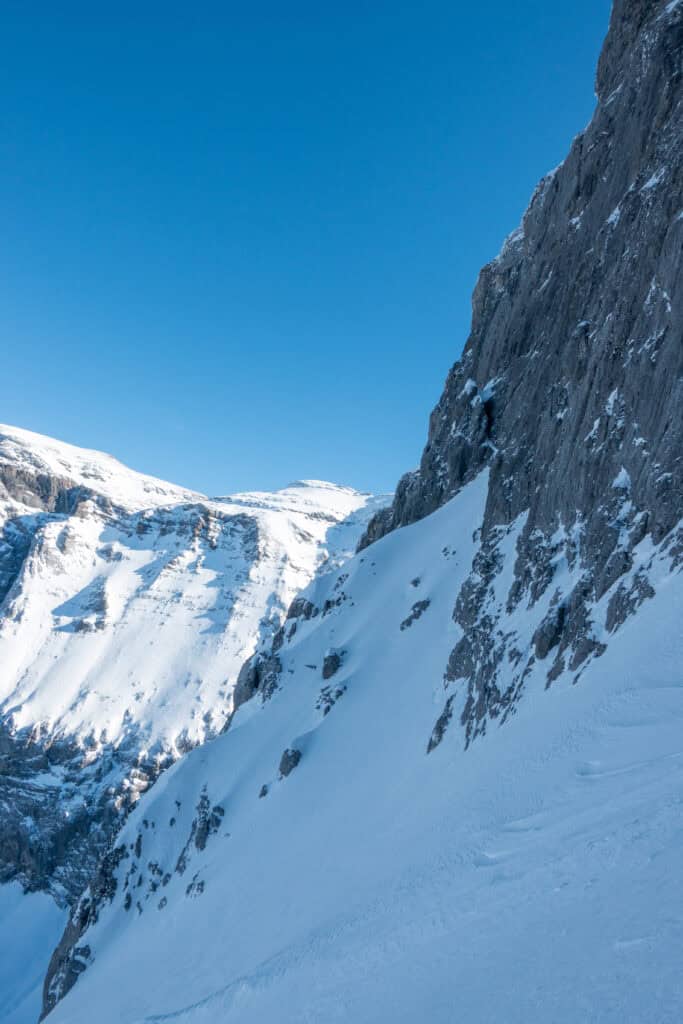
(30, 927)
(533, 876)
(129, 607)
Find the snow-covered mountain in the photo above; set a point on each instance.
(455, 792)
(127, 607)
(315, 863)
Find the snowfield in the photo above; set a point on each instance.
(30, 927)
(534, 876)
(132, 616)
(127, 608)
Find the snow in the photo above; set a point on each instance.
(655, 180)
(622, 481)
(31, 925)
(141, 624)
(614, 217)
(85, 468)
(611, 402)
(489, 389)
(512, 241)
(138, 623)
(613, 95)
(128, 624)
(655, 290)
(533, 877)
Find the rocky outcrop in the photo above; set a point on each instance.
(570, 388)
(259, 674)
(58, 813)
(142, 883)
(332, 663)
(70, 958)
(288, 762)
(416, 612)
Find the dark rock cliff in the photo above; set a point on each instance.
(570, 387)
(584, 299)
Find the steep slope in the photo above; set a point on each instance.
(314, 863)
(127, 607)
(346, 851)
(30, 924)
(570, 387)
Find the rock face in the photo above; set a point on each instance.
(58, 812)
(570, 387)
(127, 606)
(288, 762)
(331, 663)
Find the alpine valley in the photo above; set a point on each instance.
(440, 778)
(127, 607)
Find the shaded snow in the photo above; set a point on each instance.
(30, 927)
(533, 877)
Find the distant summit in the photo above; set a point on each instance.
(127, 607)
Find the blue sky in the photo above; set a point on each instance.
(240, 240)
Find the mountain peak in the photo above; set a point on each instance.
(127, 608)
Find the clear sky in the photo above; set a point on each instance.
(239, 239)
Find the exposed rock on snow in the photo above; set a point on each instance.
(332, 663)
(289, 761)
(418, 609)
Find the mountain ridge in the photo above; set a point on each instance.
(568, 369)
(127, 608)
